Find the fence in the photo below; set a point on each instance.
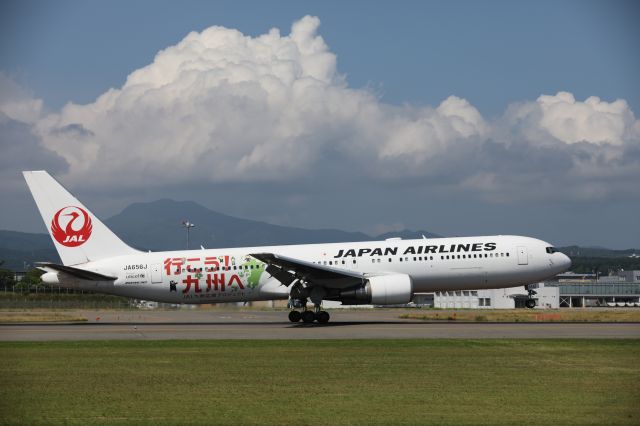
(62, 300)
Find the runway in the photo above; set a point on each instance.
(347, 324)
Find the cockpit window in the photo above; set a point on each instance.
(551, 250)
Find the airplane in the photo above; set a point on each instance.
(382, 273)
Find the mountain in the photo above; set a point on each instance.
(23, 241)
(20, 248)
(407, 235)
(157, 226)
(577, 251)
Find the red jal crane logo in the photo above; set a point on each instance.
(71, 226)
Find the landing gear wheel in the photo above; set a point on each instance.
(308, 317)
(530, 303)
(322, 317)
(295, 316)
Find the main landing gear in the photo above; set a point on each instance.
(298, 298)
(308, 316)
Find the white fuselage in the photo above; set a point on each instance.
(231, 275)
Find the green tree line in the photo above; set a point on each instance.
(31, 279)
(603, 265)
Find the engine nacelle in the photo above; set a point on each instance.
(392, 289)
(50, 278)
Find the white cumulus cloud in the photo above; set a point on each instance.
(220, 106)
(16, 103)
(570, 121)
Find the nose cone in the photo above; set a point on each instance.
(565, 262)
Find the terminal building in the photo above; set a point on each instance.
(502, 298)
(589, 290)
(567, 290)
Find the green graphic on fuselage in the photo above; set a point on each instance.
(250, 271)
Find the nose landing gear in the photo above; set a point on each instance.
(531, 302)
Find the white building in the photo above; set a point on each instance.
(503, 298)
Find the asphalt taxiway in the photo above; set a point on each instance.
(255, 324)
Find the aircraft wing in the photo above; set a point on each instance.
(287, 270)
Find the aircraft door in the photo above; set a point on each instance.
(523, 257)
(156, 273)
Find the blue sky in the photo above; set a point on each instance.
(474, 148)
(489, 52)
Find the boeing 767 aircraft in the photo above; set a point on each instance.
(380, 272)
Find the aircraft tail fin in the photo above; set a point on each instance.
(79, 236)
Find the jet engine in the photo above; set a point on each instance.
(380, 290)
(50, 278)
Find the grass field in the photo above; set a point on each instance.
(10, 300)
(528, 315)
(39, 316)
(322, 382)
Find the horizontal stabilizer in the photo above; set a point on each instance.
(76, 272)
